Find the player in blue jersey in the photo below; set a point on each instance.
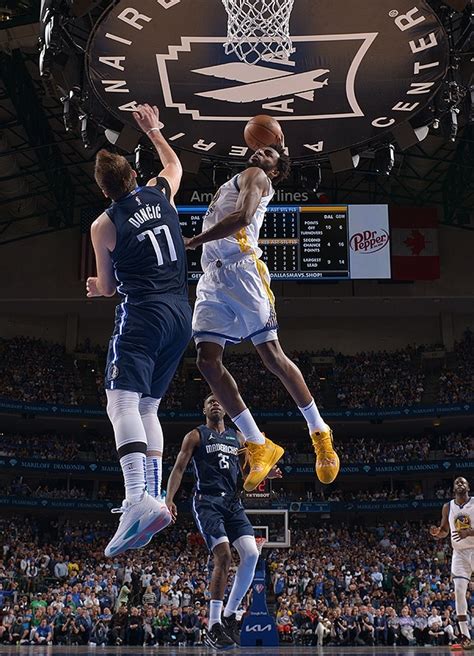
(140, 254)
(217, 456)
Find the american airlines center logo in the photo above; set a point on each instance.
(352, 76)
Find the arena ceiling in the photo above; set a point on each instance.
(46, 174)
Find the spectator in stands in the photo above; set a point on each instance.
(43, 635)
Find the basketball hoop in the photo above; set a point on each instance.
(259, 29)
(261, 541)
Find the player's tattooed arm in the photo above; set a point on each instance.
(441, 531)
(253, 184)
(103, 237)
(190, 443)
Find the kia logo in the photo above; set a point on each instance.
(369, 241)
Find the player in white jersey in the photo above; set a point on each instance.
(234, 302)
(457, 520)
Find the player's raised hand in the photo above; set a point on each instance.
(172, 508)
(91, 287)
(148, 117)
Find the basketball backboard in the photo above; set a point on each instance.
(272, 525)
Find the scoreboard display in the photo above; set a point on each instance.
(298, 242)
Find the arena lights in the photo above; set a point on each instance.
(50, 34)
(310, 177)
(343, 160)
(144, 163)
(127, 139)
(384, 159)
(88, 132)
(406, 136)
(70, 112)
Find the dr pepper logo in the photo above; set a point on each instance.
(369, 241)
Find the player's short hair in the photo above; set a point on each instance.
(284, 164)
(113, 174)
(208, 397)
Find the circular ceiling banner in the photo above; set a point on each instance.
(352, 75)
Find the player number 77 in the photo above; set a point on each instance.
(154, 242)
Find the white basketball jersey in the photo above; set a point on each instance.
(461, 517)
(246, 239)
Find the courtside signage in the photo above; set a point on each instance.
(353, 76)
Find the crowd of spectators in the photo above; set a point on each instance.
(456, 383)
(379, 379)
(95, 448)
(388, 584)
(35, 370)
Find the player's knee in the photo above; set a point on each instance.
(148, 406)
(250, 556)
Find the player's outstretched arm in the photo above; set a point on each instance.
(442, 531)
(253, 185)
(103, 237)
(190, 443)
(148, 118)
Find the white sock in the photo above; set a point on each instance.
(153, 475)
(134, 475)
(215, 611)
(148, 408)
(248, 553)
(313, 418)
(247, 426)
(464, 629)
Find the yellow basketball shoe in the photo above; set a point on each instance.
(262, 458)
(327, 460)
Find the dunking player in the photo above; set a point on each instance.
(219, 514)
(458, 520)
(140, 253)
(235, 302)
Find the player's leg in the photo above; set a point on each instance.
(173, 322)
(460, 590)
(208, 515)
(241, 534)
(273, 357)
(461, 570)
(129, 372)
(148, 408)
(141, 513)
(130, 440)
(248, 555)
(263, 453)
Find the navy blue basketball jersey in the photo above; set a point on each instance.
(216, 462)
(149, 256)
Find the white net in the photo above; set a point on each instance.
(258, 29)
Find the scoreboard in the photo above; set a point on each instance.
(298, 242)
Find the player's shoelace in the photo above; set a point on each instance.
(257, 458)
(323, 445)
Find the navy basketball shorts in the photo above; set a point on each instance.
(220, 519)
(147, 344)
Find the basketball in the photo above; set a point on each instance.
(261, 131)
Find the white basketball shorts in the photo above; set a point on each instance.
(234, 302)
(462, 564)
